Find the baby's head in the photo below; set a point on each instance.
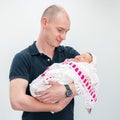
(85, 57)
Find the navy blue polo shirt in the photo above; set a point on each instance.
(28, 64)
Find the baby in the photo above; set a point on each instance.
(81, 70)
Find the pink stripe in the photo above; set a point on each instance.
(94, 96)
(82, 77)
(79, 73)
(89, 87)
(90, 90)
(91, 93)
(76, 69)
(85, 82)
(74, 66)
(43, 74)
(70, 63)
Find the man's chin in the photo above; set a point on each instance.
(57, 45)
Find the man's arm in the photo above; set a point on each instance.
(55, 93)
(20, 101)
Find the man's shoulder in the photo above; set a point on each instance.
(23, 52)
(69, 51)
(28, 51)
(65, 47)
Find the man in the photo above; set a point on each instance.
(32, 61)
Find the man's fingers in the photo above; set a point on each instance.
(53, 83)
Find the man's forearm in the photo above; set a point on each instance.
(30, 104)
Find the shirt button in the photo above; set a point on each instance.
(48, 60)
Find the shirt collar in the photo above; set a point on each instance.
(34, 51)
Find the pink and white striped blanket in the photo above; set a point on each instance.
(82, 74)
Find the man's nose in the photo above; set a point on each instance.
(63, 36)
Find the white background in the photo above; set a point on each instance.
(95, 27)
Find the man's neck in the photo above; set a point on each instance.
(45, 48)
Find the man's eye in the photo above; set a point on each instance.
(59, 30)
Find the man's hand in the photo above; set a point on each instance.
(53, 94)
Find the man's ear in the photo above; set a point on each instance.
(44, 21)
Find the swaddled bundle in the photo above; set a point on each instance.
(81, 73)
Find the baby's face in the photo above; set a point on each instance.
(85, 57)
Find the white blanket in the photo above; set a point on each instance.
(82, 74)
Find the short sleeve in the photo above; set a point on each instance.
(71, 52)
(20, 67)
